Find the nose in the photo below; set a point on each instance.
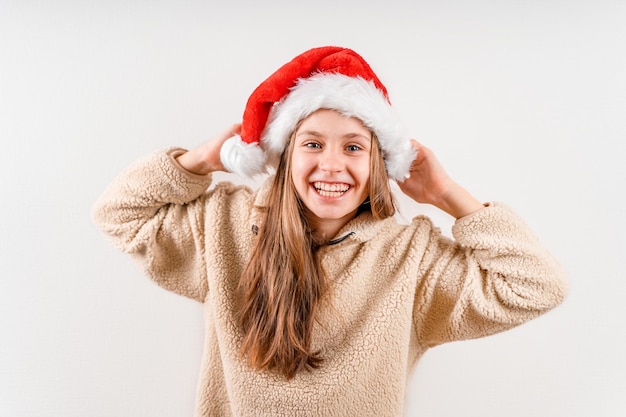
(331, 161)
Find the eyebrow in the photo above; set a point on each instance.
(309, 132)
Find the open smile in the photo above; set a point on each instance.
(330, 189)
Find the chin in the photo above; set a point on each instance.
(334, 215)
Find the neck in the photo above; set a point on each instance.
(327, 229)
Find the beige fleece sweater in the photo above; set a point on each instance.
(397, 290)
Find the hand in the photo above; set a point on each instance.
(428, 183)
(206, 158)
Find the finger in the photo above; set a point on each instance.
(233, 130)
(236, 129)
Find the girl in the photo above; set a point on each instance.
(317, 302)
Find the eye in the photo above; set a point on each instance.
(312, 145)
(353, 148)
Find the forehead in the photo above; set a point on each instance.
(324, 120)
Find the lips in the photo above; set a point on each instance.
(326, 189)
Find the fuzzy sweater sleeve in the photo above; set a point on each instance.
(154, 211)
(495, 276)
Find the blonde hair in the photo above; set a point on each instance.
(283, 284)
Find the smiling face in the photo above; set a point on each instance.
(330, 168)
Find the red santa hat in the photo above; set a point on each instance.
(321, 78)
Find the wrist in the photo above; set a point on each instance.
(197, 161)
(458, 202)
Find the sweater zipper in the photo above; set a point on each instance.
(340, 239)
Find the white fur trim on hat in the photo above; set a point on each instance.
(351, 96)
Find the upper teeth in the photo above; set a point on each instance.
(331, 187)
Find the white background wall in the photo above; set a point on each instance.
(524, 102)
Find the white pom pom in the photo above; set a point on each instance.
(243, 158)
(398, 161)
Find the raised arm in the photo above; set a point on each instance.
(495, 275)
(155, 211)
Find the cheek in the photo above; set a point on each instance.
(300, 168)
(364, 172)
(299, 177)
(296, 172)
